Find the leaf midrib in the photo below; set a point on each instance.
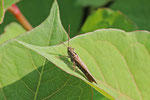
(37, 90)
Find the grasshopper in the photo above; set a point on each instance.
(75, 59)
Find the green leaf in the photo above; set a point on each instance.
(25, 75)
(1, 11)
(107, 18)
(11, 31)
(96, 3)
(118, 60)
(136, 10)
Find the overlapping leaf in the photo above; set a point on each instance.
(107, 18)
(118, 60)
(11, 31)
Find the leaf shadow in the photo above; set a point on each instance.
(70, 65)
(25, 87)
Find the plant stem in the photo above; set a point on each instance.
(19, 16)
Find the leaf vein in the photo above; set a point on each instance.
(58, 89)
(3, 92)
(96, 64)
(45, 58)
(128, 68)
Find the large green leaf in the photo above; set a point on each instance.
(107, 18)
(11, 31)
(1, 11)
(25, 75)
(118, 60)
(136, 10)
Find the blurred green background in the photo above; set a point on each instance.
(75, 12)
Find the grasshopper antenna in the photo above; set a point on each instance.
(68, 37)
(68, 34)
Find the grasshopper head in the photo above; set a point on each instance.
(70, 51)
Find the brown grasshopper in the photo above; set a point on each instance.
(75, 59)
